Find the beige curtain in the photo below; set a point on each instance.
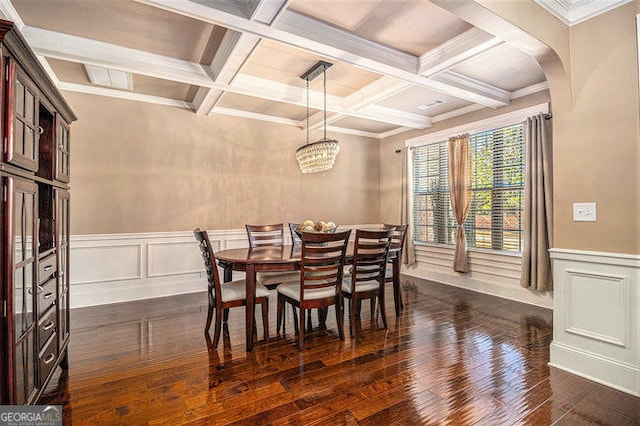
(406, 212)
(538, 212)
(460, 190)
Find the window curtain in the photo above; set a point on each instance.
(406, 210)
(460, 190)
(538, 207)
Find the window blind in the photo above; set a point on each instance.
(495, 215)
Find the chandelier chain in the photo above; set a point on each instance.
(307, 111)
(324, 75)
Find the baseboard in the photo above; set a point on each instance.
(609, 372)
(497, 274)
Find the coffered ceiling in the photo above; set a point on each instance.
(398, 64)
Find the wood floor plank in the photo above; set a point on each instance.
(453, 357)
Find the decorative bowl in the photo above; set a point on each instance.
(319, 227)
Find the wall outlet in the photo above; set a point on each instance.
(584, 212)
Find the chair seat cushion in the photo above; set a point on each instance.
(292, 290)
(272, 278)
(361, 286)
(235, 290)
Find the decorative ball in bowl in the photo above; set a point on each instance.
(311, 226)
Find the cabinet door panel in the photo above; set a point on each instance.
(25, 362)
(21, 116)
(62, 250)
(22, 195)
(21, 209)
(62, 158)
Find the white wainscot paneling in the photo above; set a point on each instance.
(106, 263)
(596, 306)
(175, 258)
(112, 268)
(495, 273)
(596, 314)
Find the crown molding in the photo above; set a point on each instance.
(573, 12)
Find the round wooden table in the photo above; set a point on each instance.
(280, 258)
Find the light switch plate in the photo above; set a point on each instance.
(584, 212)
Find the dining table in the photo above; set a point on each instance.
(282, 258)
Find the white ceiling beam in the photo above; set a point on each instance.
(256, 116)
(375, 92)
(85, 51)
(10, 13)
(309, 34)
(120, 94)
(81, 50)
(457, 79)
(234, 50)
(343, 130)
(232, 53)
(316, 121)
(267, 89)
(454, 52)
(267, 11)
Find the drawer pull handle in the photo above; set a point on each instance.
(48, 296)
(38, 290)
(48, 268)
(48, 326)
(49, 358)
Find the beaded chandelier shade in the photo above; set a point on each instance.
(320, 155)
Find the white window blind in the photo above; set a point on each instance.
(495, 215)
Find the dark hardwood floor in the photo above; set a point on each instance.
(454, 357)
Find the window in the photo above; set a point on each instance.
(495, 215)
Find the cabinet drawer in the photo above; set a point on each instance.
(46, 295)
(47, 358)
(47, 267)
(47, 326)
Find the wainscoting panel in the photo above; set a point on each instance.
(173, 258)
(596, 306)
(596, 315)
(112, 268)
(109, 263)
(497, 274)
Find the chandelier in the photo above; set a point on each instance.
(320, 155)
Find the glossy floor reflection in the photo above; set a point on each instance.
(454, 357)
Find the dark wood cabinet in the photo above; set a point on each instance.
(34, 254)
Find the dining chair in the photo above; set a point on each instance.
(370, 255)
(397, 242)
(295, 238)
(265, 235)
(322, 263)
(223, 296)
(262, 236)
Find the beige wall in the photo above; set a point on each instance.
(595, 128)
(139, 167)
(593, 78)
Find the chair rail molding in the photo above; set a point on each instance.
(596, 316)
(113, 268)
